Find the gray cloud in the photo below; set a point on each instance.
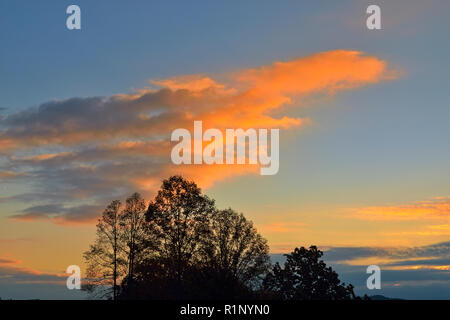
(60, 214)
(79, 120)
(339, 254)
(94, 149)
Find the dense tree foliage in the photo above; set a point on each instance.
(306, 277)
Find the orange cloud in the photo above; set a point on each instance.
(281, 227)
(247, 102)
(194, 83)
(9, 174)
(13, 272)
(437, 208)
(431, 230)
(330, 71)
(119, 144)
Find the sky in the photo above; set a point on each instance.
(86, 117)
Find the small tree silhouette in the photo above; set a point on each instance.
(305, 277)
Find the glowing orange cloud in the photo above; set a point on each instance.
(437, 208)
(122, 143)
(193, 83)
(330, 71)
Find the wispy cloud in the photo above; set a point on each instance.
(281, 227)
(5, 175)
(78, 215)
(11, 270)
(9, 261)
(436, 208)
(343, 254)
(408, 272)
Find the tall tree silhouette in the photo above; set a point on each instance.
(132, 227)
(197, 251)
(236, 253)
(117, 247)
(306, 277)
(105, 260)
(178, 218)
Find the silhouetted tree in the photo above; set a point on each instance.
(235, 255)
(132, 227)
(306, 277)
(118, 245)
(178, 219)
(183, 247)
(197, 251)
(105, 261)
